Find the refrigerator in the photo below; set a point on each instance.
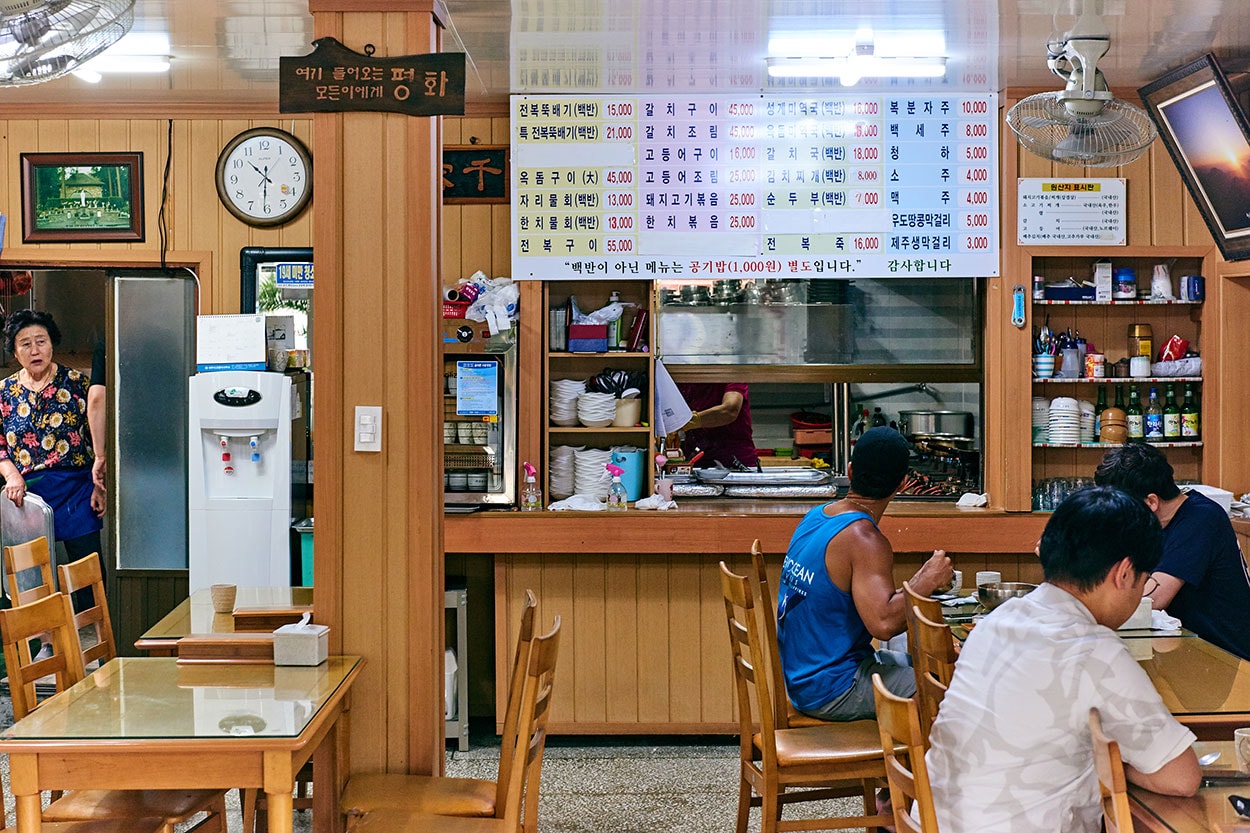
(479, 417)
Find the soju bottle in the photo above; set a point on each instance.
(1136, 425)
(1190, 428)
(1154, 418)
(1119, 397)
(1099, 408)
(1171, 415)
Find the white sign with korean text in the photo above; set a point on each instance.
(1072, 212)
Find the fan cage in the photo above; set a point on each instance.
(1116, 136)
(58, 36)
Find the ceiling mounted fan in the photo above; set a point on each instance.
(45, 39)
(1082, 124)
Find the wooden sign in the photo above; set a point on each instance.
(475, 173)
(334, 78)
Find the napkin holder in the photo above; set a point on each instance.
(1141, 617)
(301, 643)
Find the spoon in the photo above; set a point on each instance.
(1208, 759)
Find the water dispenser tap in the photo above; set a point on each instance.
(254, 444)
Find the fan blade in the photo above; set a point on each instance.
(39, 68)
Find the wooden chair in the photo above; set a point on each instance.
(782, 766)
(904, 746)
(54, 616)
(85, 575)
(519, 807)
(929, 606)
(785, 714)
(1112, 786)
(32, 555)
(933, 659)
(470, 797)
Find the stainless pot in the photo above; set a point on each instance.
(946, 423)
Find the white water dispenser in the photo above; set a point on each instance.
(240, 479)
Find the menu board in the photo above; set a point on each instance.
(768, 186)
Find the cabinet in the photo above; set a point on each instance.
(564, 364)
(1105, 325)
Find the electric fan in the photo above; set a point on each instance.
(45, 39)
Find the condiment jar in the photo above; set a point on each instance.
(1140, 340)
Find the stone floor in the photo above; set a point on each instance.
(595, 785)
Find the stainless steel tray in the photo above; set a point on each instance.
(771, 476)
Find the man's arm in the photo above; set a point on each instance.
(723, 414)
(95, 423)
(1166, 586)
(1179, 776)
(881, 606)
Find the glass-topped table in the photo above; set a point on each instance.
(148, 723)
(255, 608)
(1204, 687)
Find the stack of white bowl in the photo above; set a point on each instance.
(563, 404)
(596, 410)
(590, 477)
(1065, 421)
(1041, 419)
(560, 470)
(1087, 421)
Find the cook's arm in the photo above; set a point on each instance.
(723, 414)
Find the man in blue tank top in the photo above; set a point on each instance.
(837, 591)
(1202, 579)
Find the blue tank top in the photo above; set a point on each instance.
(822, 640)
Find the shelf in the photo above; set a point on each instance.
(622, 354)
(1119, 380)
(1183, 444)
(607, 429)
(1127, 303)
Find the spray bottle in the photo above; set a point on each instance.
(617, 500)
(531, 495)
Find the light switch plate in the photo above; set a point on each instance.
(368, 428)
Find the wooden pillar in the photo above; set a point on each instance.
(379, 522)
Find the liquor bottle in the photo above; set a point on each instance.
(878, 418)
(1171, 415)
(1099, 408)
(1190, 427)
(1154, 418)
(1119, 397)
(1136, 425)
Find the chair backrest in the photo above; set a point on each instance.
(934, 662)
(1112, 786)
(751, 675)
(930, 607)
(521, 798)
(516, 691)
(31, 555)
(903, 743)
(54, 616)
(85, 574)
(767, 609)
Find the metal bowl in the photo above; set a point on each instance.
(994, 594)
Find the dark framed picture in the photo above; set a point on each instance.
(82, 197)
(475, 173)
(1206, 132)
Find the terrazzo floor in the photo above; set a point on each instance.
(595, 785)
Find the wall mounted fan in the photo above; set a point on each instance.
(45, 39)
(1082, 124)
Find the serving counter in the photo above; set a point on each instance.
(640, 600)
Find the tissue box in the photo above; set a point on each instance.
(588, 338)
(1141, 616)
(1102, 281)
(301, 644)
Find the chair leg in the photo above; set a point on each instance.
(744, 805)
(770, 811)
(247, 803)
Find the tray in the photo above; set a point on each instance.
(771, 476)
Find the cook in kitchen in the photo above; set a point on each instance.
(720, 425)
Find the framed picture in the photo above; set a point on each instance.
(475, 173)
(82, 197)
(1206, 133)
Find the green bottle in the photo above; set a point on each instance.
(1119, 397)
(1136, 424)
(1190, 428)
(1099, 408)
(1171, 416)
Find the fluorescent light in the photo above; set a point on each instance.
(854, 67)
(133, 64)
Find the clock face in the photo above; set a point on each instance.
(264, 176)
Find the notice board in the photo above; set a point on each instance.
(769, 186)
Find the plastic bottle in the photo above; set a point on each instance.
(1136, 425)
(1153, 423)
(531, 495)
(615, 327)
(617, 500)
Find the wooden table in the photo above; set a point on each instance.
(1206, 812)
(1204, 687)
(257, 608)
(148, 723)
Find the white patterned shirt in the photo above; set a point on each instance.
(1010, 749)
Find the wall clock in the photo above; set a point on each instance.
(264, 176)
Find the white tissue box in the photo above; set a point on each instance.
(1140, 618)
(301, 644)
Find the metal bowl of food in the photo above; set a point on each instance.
(993, 594)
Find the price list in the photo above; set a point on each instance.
(710, 186)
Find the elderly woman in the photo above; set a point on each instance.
(45, 448)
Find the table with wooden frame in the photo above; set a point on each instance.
(149, 723)
(255, 609)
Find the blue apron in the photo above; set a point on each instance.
(68, 492)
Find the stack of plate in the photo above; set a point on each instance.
(560, 471)
(596, 410)
(1041, 419)
(590, 477)
(563, 405)
(1065, 421)
(1087, 420)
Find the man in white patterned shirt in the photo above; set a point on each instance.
(1010, 749)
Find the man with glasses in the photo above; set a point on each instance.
(1202, 579)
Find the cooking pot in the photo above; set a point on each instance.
(947, 423)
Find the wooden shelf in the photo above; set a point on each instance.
(1114, 303)
(1118, 380)
(606, 354)
(607, 429)
(1178, 444)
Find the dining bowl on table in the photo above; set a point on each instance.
(993, 594)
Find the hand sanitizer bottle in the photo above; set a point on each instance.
(531, 496)
(617, 500)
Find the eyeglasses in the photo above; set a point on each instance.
(1152, 584)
